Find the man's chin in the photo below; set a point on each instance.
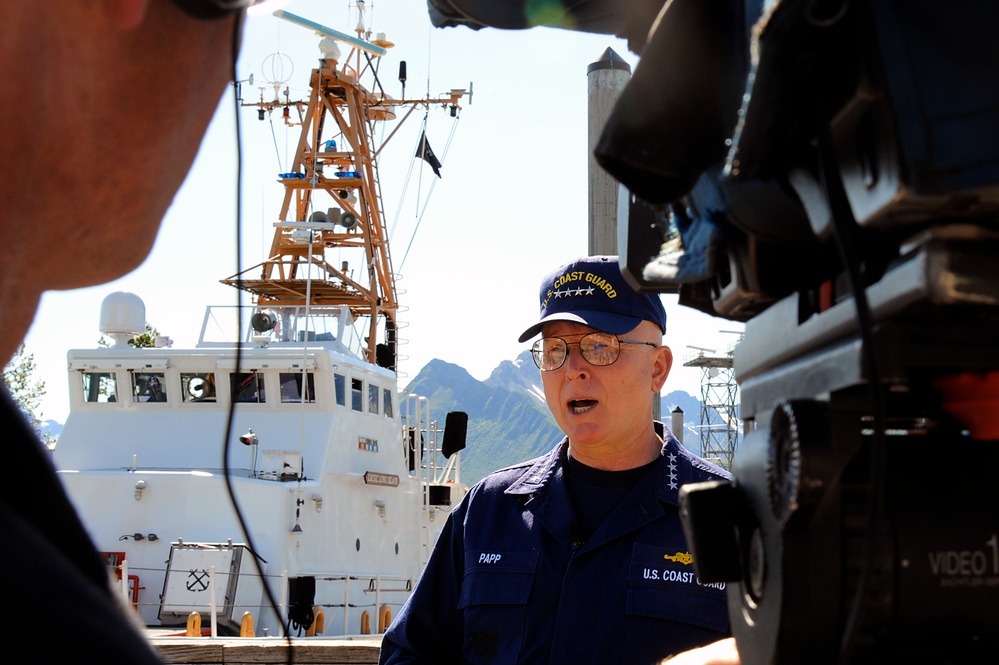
(588, 436)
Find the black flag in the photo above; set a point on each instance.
(424, 152)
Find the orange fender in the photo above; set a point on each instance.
(194, 625)
(246, 626)
(384, 618)
(365, 622)
(318, 623)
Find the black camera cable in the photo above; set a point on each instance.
(847, 242)
(230, 416)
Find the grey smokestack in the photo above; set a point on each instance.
(605, 79)
(676, 424)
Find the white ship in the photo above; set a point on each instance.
(288, 409)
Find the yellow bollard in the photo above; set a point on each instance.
(365, 622)
(246, 626)
(194, 625)
(318, 622)
(384, 618)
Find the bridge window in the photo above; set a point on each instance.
(291, 387)
(356, 394)
(372, 398)
(148, 387)
(247, 387)
(197, 386)
(100, 387)
(387, 399)
(340, 383)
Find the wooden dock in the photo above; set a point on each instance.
(237, 650)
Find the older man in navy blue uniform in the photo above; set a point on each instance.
(577, 556)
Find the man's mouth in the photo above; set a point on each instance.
(578, 406)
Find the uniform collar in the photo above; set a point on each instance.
(540, 471)
(673, 471)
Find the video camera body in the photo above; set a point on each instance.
(828, 172)
(854, 225)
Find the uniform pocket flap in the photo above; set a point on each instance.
(497, 578)
(662, 584)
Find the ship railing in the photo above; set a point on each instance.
(423, 452)
(438, 476)
(316, 326)
(378, 585)
(386, 590)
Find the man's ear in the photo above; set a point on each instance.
(661, 367)
(126, 14)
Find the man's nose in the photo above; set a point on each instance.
(575, 364)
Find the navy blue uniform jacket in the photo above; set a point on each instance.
(509, 581)
(51, 568)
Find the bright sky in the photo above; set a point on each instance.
(511, 206)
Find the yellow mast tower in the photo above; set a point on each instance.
(333, 199)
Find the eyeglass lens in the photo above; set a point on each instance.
(596, 348)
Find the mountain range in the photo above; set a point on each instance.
(508, 420)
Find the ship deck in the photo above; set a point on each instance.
(239, 650)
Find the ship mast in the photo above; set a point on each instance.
(333, 199)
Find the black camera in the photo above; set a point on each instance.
(828, 172)
(851, 218)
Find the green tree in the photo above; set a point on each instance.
(19, 380)
(146, 340)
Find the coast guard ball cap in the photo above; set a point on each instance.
(592, 291)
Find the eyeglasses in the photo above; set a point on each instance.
(596, 348)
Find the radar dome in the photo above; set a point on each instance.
(123, 316)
